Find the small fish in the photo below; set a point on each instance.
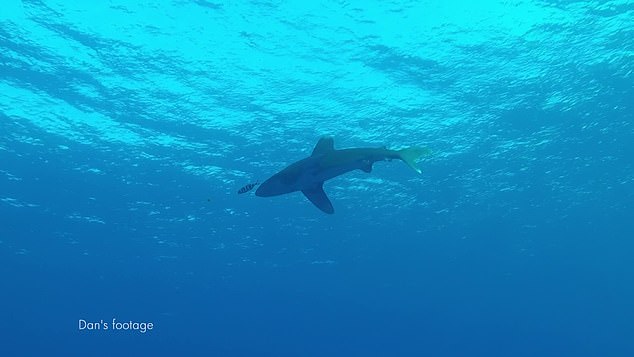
(247, 188)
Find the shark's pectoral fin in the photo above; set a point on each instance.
(318, 197)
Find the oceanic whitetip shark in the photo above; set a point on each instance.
(308, 175)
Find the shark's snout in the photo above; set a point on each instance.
(272, 187)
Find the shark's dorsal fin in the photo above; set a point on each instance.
(323, 146)
(318, 197)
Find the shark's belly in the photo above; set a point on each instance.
(317, 175)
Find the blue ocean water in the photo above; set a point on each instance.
(127, 127)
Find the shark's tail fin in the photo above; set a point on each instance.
(412, 154)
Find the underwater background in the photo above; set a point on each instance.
(127, 128)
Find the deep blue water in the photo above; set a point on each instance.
(127, 127)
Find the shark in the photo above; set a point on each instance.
(309, 174)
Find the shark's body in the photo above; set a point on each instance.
(308, 175)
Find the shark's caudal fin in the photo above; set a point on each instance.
(411, 155)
